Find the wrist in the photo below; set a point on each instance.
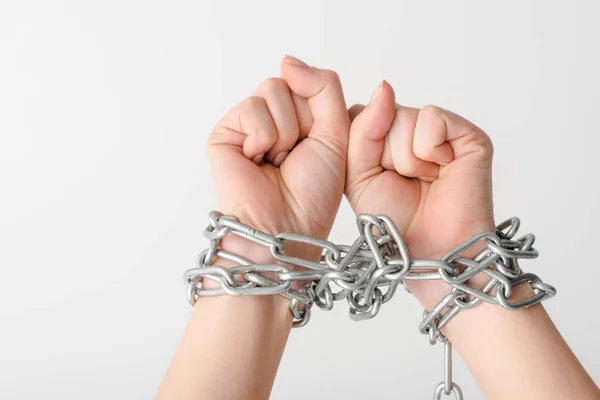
(256, 226)
(430, 293)
(272, 308)
(475, 322)
(244, 245)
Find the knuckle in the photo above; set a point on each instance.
(420, 149)
(214, 138)
(268, 134)
(490, 146)
(290, 134)
(266, 138)
(329, 77)
(486, 144)
(253, 103)
(430, 111)
(486, 140)
(481, 144)
(254, 108)
(409, 165)
(274, 85)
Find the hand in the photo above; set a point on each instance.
(278, 163)
(429, 170)
(278, 159)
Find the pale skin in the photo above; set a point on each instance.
(295, 140)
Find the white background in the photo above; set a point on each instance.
(105, 108)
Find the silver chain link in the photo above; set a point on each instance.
(368, 272)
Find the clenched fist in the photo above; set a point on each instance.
(281, 161)
(278, 159)
(428, 169)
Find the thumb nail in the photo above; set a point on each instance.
(295, 61)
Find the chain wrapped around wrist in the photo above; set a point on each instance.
(368, 272)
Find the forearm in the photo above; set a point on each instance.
(518, 354)
(230, 350)
(511, 354)
(232, 345)
(267, 156)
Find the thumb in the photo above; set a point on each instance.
(370, 126)
(322, 90)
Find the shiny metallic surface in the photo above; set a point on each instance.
(439, 391)
(368, 272)
(448, 368)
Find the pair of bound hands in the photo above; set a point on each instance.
(283, 158)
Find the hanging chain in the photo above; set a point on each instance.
(368, 272)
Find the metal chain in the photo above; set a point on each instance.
(368, 272)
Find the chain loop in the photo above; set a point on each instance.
(447, 387)
(437, 395)
(368, 273)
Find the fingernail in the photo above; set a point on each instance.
(257, 159)
(295, 61)
(278, 160)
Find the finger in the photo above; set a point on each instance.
(386, 158)
(278, 99)
(247, 129)
(400, 144)
(368, 132)
(323, 90)
(442, 136)
(303, 114)
(354, 111)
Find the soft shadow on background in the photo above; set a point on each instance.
(105, 108)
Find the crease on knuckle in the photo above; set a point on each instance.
(476, 139)
(479, 143)
(289, 135)
(329, 79)
(252, 106)
(218, 135)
